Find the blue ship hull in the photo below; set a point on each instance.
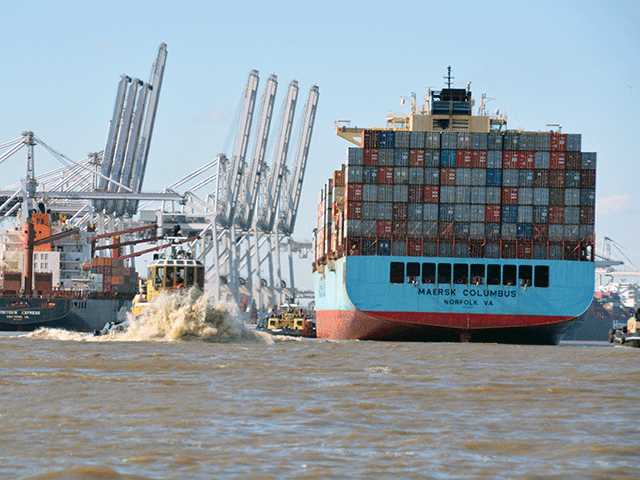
(356, 299)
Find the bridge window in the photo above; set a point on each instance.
(477, 273)
(413, 272)
(461, 273)
(493, 274)
(509, 275)
(180, 276)
(525, 275)
(200, 277)
(159, 277)
(171, 273)
(541, 278)
(190, 277)
(428, 273)
(444, 273)
(397, 272)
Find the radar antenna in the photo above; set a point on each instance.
(449, 78)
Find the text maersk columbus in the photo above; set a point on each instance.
(447, 226)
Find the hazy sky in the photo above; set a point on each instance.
(574, 63)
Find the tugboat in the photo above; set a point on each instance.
(290, 320)
(176, 272)
(627, 336)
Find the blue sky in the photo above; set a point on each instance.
(574, 63)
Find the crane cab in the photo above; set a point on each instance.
(176, 272)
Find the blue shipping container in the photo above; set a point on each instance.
(509, 213)
(494, 177)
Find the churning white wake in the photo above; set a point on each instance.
(187, 316)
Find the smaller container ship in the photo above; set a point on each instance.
(448, 226)
(51, 278)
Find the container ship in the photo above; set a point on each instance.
(447, 226)
(64, 285)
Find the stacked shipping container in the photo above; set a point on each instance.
(460, 194)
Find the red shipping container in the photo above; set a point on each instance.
(524, 251)
(416, 193)
(463, 158)
(354, 192)
(431, 194)
(558, 160)
(447, 230)
(385, 175)
(354, 210)
(384, 228)
(416, 158)
(479, 159)
(399, 228)
(509, 159)
(370, 157)
(510, 196)
(556, 178)
(414, 248)
(588, 178)
(573, 160)
(541, 178)
(400, 211)
(338, 178)
(526, 160)
(540, 232)
(558, 142)
(587, 216)
(508, 250)
(492, 214)
(556, 214)
(447, 176)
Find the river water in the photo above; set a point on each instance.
(188, 392)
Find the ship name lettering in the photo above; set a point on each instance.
(489, 293)
(447, 292)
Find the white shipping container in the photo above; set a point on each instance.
(476, 230)
(430, 211)
(447, 194)
(385, 193)
(416, 140)
(353, 226)
(463, 194)
(478, 176)
(477, 214)
(401, 193)
(571, 214)
(401, 175)
(430, 229)
(369, 210)
(370, 192)
(494, 158)
(462, 212)
(431, 176)
(571, 196)
(571, 232)
(369, 228)
(414, 228)
(542, 160)
(354, 174)
(525, 214)
(492, 250)
(479, 195)
(509, 177)
(463, 176)
(541, 196)
(525, 196)
(556, 231)
(509, 231)
(416, 175)
(525, 178)
(415, 211)
(494, 195)
(385, 211)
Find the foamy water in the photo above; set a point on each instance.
(173, 317)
